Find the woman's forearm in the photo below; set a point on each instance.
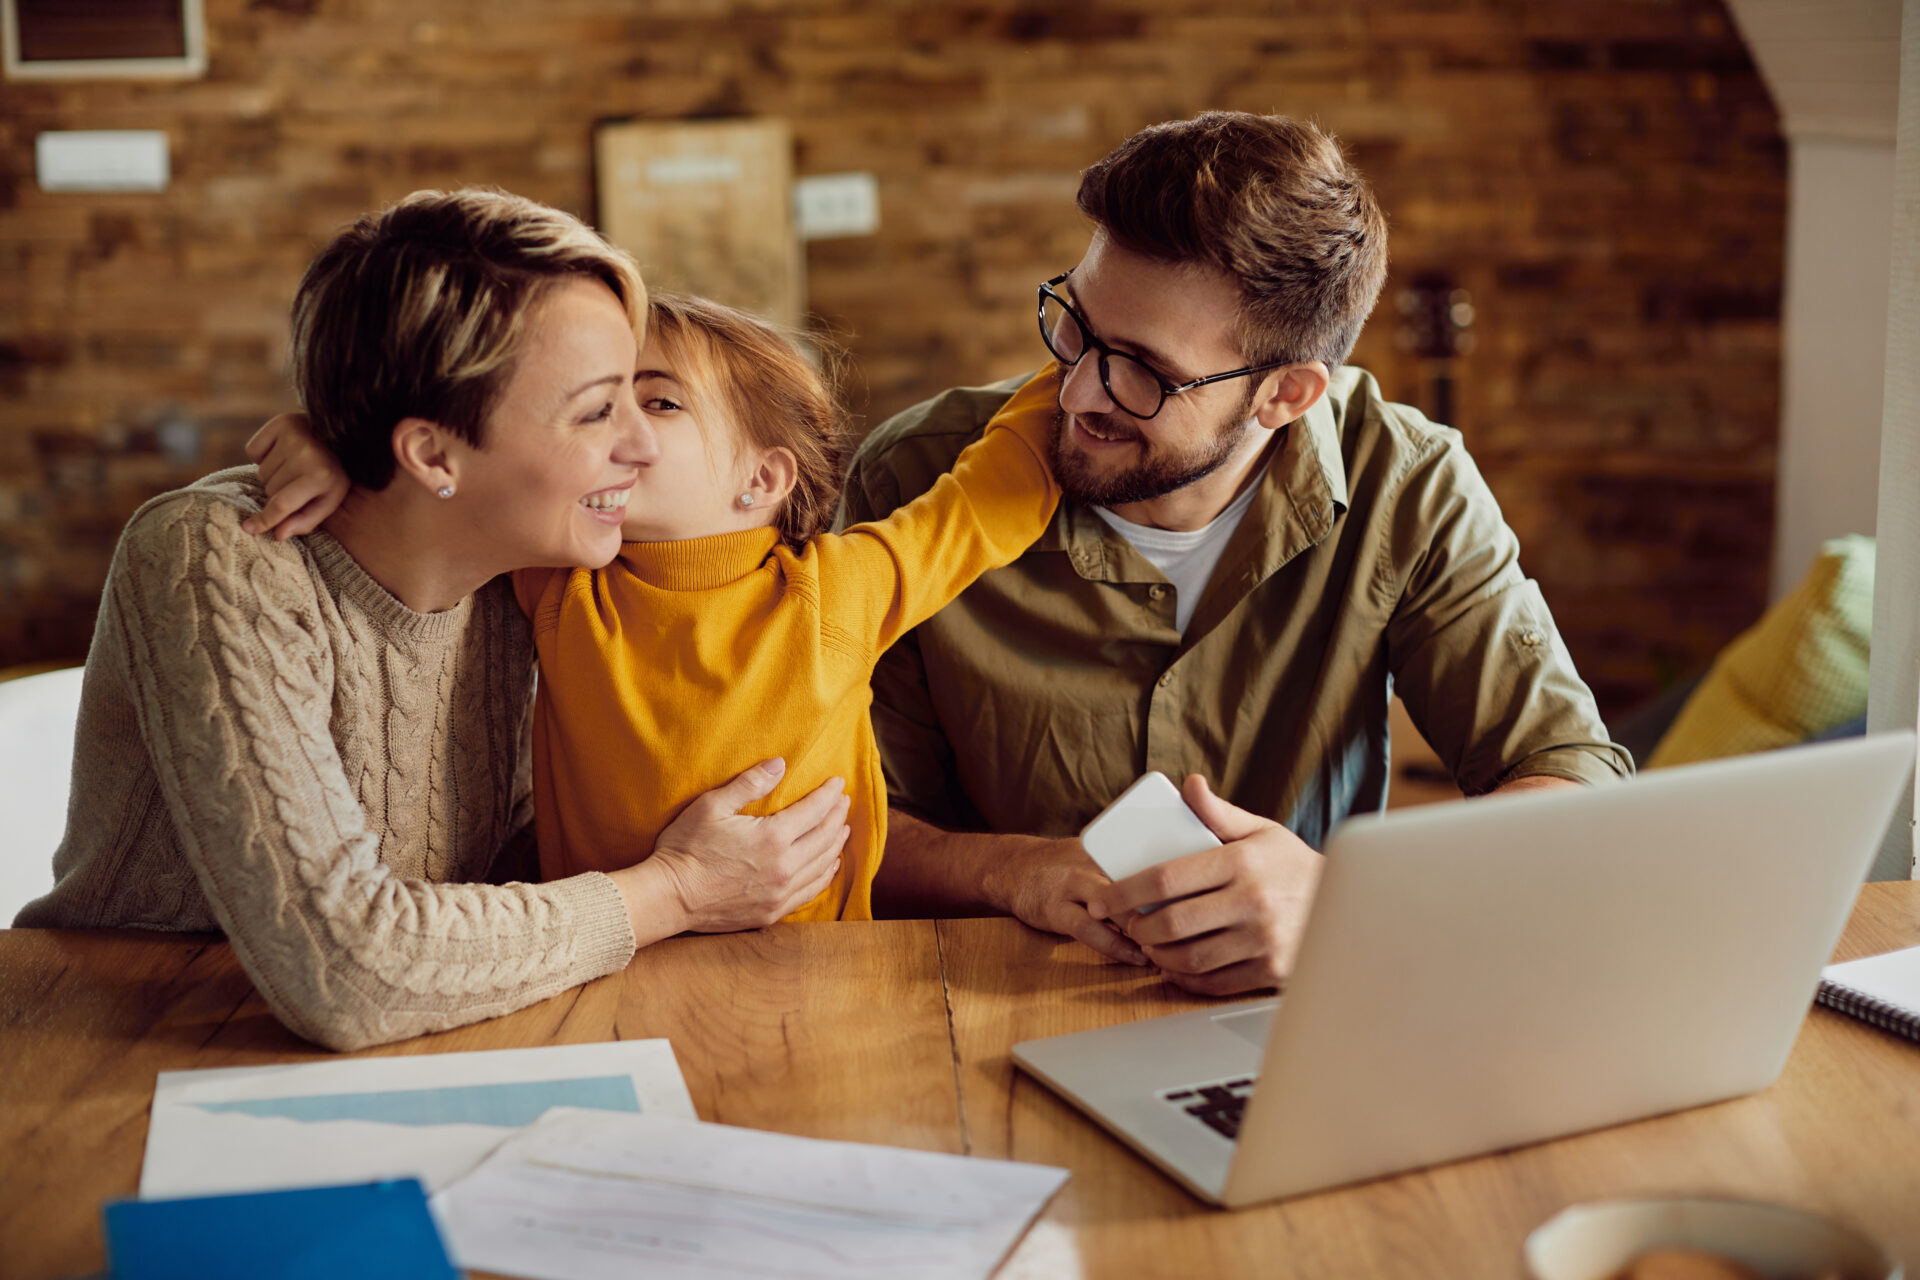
(654, 909)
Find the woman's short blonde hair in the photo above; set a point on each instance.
(419, 310)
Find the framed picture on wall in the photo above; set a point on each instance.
(707, 208)
(103, 39)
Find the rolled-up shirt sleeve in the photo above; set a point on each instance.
(1472, 646)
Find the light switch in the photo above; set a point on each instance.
(102, 160)
(836, 204)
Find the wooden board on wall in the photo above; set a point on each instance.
(103, 39)
(707, 208)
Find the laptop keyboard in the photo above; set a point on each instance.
(1218, 1105)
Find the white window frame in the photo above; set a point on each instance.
(193, 63)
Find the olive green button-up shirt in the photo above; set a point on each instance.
(1373, 560)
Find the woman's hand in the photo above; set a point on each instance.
(305, 483)
(715, 870)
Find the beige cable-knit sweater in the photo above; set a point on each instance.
(271, 745)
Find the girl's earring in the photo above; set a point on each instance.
(745, 499)
(446, 491)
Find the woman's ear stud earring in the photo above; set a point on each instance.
(446, 491)
(745, 499)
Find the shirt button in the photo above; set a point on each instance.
(1165, 680)
(1157, 592)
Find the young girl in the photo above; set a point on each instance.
(732, 627)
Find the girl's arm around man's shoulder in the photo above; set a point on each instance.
(883, 578)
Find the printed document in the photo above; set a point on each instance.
(427, 1116)
(592, 1196)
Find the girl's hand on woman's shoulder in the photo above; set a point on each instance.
(305, 483)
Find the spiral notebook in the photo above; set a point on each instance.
(1883, 990)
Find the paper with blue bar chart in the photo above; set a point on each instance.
(430, 1116)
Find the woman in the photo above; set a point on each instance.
(319, 746)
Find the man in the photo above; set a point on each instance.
(1255, 552)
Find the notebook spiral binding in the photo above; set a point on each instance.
(1858, 1004)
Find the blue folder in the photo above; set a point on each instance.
(367, 1231)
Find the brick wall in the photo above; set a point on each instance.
(1605, 176)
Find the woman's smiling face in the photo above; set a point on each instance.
(566, 439)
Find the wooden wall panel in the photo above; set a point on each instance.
(1606, 178)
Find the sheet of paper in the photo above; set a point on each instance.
(583, 1196)
(429, 1116)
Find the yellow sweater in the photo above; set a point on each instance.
(682, 663)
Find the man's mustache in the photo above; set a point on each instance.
(1100, 422)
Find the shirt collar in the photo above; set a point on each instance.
(1304, 489)
(1323, 437)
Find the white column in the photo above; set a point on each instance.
(1893, 699)
(1832, 359)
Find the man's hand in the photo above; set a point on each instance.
(929, 872)
(305, 483)
(715, 870)
(1049, 889)
(1241, 908)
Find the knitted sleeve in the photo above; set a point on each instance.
(232, 681)
(880, 580)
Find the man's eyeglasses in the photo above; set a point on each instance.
(1131, 383)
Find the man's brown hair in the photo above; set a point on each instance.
(761, 378)
(1271, 202)
(418, 311)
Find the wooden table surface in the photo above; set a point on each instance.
(898, 1032)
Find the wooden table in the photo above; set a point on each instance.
(898, 1032)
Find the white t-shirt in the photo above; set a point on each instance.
(1186, 559)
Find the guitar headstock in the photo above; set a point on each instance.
(1436, 318)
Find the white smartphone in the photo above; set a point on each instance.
(1148, 824)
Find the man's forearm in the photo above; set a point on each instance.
(1532, 782)
(931, 872)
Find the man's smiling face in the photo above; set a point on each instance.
(1179, 321)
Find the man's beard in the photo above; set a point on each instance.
(1155, 475)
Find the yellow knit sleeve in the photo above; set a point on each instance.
(880, 580)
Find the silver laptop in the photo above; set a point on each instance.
(1481, 975)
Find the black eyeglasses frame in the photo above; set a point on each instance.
(1168, 387)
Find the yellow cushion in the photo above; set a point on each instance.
(1799, 671)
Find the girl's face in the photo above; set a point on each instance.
(565, 440)
(691, 487)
